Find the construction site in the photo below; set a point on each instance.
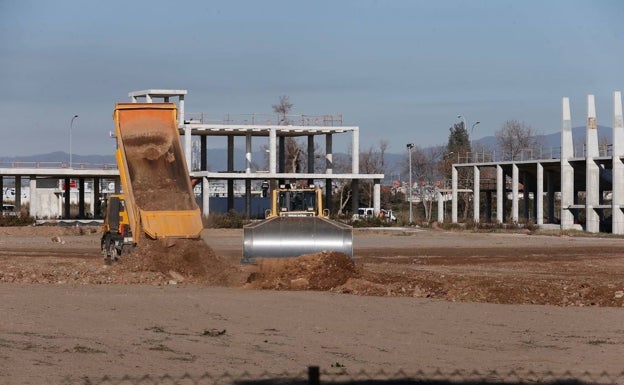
(140, 293)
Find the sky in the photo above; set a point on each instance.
(400, 70)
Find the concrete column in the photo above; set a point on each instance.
(230, 168)
(592, 173)
(617, 219)
(329, 169)
(34, 198)
(203, 153)
(81, 200)
(181, 112)
(66, 212)
(539, 196)
(453, 194)
(187, 146)
(440, 207)
(97, 205)
(1, 190)
(376, 196)
(248, 153)
(500, 191)
(355, 199)
(310, 157)
(476, 196)
(355, 159)
(205, 197)
(514, 193)
(567, 172)
(272, 151)
(18, 193)
(248, 198)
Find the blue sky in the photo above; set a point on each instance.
(400, 70)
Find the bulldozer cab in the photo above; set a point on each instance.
(302, 202)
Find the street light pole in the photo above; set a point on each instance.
(410, 146)
(471, 141)
(71, 124)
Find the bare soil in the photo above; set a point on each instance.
(66, 313)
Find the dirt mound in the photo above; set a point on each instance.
(189, 260)
(320, 271)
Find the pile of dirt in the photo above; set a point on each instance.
(184, 260)
(320, 271)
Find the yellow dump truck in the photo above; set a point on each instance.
(295, 224)
(158, 198)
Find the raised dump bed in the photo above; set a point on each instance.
(154, 174)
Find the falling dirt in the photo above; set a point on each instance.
(190, 260)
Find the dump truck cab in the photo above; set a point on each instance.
(117, 234)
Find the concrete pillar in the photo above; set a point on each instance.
(514, 193)
(567, 172)
(81, 200)
(248, 171)
(187, 146)
(97, 205)
(272, 151)
(376, 196)
(355, 199)
(205, 197)
(355, 159)
(203, 153)
(329, 169)
(1, 190)
(230, 168)
(34, 204)
(476, 196)
(617, 219)
(181, 113)
(67, 192)
(500, 191)
(453, 194)
(539, 196)
(592, 173)
(248, 153)
(310, 157)
(440, 207)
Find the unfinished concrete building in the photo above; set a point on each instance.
(574, 191)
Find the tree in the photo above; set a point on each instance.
(293, 149)
(428, 172)
(458, 147)
(514, 137)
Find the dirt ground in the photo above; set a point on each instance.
(409, 299)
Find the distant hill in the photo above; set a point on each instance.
(217, 158)
(554, 139)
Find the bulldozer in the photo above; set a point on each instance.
(295, 224)
(158, 200)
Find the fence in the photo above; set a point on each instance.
(338, 375)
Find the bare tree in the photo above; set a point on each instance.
(371, 162)
(428, 172)
(514, 137)
(293, 149)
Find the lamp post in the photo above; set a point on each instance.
(71, 124)
(474, 151)
(410, 146)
